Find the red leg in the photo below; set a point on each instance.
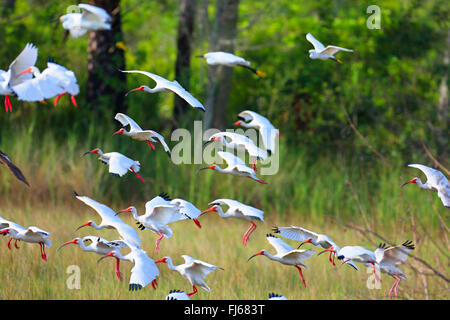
(8, 106)
(154, 284)
(392, 289)
(137, 176)
(43, 255)
(249, 232)
(15, 244)
(254, 166)
(150, 144)
(396, 286)
(58, 97)
(374, 272)
(74, 102)
(118, 269)
(301, 274)
(334, 256)
(193, 292)
(158, 241)
(9, 243)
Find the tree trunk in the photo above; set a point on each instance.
(219, 78)
(106, 86)
(184, 45)
(8, 7)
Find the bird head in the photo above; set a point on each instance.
(163, 259)
(141, 88)
(111, 254)
(89, 223)
(212, 139)
(260, 253)
(237, 123)
(95, 151)
(213, 208)
(120, 131)
(73, 241)
(129, 209)
(28, 70)
(414, 180)
(306, 241)
(212, 167)
(330, 249)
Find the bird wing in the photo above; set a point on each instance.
(269, 135)
(24, 60)
(119, 164)
(162, 211)
(352, 252)
(435, 178)
(332, 50)
(105, 212)
(296, 233)
(9, 224)
(33, 229)
(66, 77)
(226, 58)
(43, 87)
(299, 254)
(144, 270)
(126, 120)
(177, 295)
(235, 162)
(199, 267)
(154, 77)
(186, 208)
(246, 115)
(318, 46)
(94, 13)
(188, 97)
(394, 255)
(249, 211)
(13, 168)
(246, 143)
(279, 245)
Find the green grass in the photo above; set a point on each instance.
(324, 194)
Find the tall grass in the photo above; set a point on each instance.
(326, 194)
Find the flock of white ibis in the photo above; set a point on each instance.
(24, 80)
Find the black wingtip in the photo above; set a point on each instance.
(275, 229)
(76, 194)
(270, 235)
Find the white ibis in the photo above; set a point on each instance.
(4, 159)
(389, 258)
(235, 167)
(89, 18)
(11, 78)
(31, 234)
(177, 295)
(237, 210)
(239, 142)
(307, 236)
(164, 85)
(286, 254)
(159, 212)
(55, 80)
(144, 270)
(192, 270)
(188, 209)
(230, 60)
(322, 53)
(356, 254)
(109, 220)
(99, 246)
(118, 163)
(276, 296)
(436, 181)
(269, 134)
(9, 224)
(137, 133)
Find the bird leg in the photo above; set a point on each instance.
(158, 241)
(374, 271)
(58, 97)
(332, 253)
(254, 165)
(9, 243)
(118, 269)
(248, 233)
(8, 104)
(395, 289)
(15, 244)
(150, 144)
(258, 180)
(154, 284)
(191, 293)
(137, 176)
(74, 102)
(301, 274)
(393, 286)
(43, 255)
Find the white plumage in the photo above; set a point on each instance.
(230, 60)
(163, 85)
(109, 220)
(322, 53)
(177, 295)
(286, 254)
(89, 18)
(137, 133)
(193, 270)
(436, 181)
(269, 134)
